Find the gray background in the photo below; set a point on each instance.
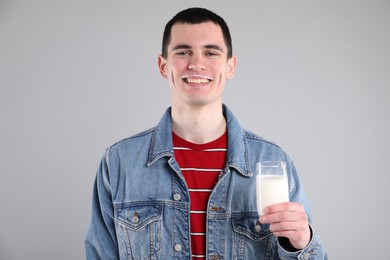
(77, 76)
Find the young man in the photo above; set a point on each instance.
(186, 189)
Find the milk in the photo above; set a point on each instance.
(270, 189)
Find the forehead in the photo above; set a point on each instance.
(197, 34)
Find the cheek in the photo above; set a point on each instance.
(217, 67)
(222, 72)
(178, 65)
(174, 73)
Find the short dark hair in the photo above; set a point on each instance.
(197, 15)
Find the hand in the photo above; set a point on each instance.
(288, 220)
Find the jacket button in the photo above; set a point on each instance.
(258, 228)
(135, 218)
(177, 247)
(216, 209)
(176, 197)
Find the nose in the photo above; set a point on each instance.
(196, 63)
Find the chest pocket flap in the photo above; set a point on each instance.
(137, 217)
(251, 228)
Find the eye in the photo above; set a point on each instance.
(212, 53)
(182, 53)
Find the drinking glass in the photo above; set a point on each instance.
(271, 184)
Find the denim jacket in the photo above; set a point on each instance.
(141, 203)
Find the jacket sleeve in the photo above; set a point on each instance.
(101, 240)
(315, 249)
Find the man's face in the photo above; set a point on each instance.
(196, 65)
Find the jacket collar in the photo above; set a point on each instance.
(237, 152)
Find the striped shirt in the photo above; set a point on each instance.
(200, 165)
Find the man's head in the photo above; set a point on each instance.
(196, 16)
(196, 58)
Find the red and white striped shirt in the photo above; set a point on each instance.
(200, 165)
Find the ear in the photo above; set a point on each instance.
(231, 67)
(162, 66)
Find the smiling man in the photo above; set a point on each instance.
(197, 63)
(185, 189)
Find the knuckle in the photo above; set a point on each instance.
(304, 217)
(283, 225)
(284, 216)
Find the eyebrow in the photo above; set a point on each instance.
(208, 46)
(181, 46)
(214, 47)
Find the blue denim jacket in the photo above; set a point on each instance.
(141, 203)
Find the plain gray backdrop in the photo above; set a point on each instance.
(77, 76)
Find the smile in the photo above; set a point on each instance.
(196, 80)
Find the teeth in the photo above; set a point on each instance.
(197, 80)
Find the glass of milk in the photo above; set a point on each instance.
(271, 184)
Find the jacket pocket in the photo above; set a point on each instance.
(139, 230)
(251, 239)
(251, 228)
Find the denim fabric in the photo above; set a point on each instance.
(141, 201)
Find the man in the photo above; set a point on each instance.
(186, 189)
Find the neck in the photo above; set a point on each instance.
(198, 125)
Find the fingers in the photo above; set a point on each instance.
(288, 220)
(285, 206)
(284, 212)
(291, 224)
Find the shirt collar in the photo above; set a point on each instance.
(237, 150)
